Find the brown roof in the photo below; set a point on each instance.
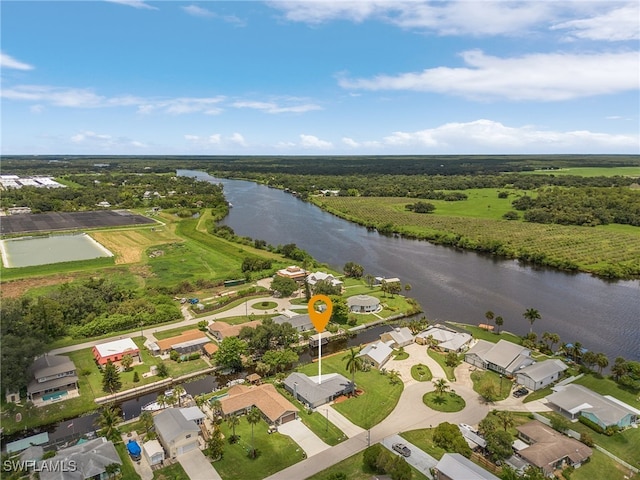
(185, 336)
(264, 397)
(225, 330)
(210, 348)
(254, 377)
(550, 446)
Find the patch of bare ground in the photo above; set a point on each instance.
(16, 288)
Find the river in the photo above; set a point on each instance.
(450, 284)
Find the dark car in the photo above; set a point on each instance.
(402, 449)
(521, 392)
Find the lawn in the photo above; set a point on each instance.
(129, 245)
(264, 305)
(447, 402)
(421, 373)
(423, 439)
(172, 472)
(440, 358)
(482, 378)
(126, 469)
(275, 452)
(379, 395)
(482, 334)
(174, 332)
(601, 466)
(606, 386)
(354, 469)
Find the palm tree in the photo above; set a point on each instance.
(531, 314)
(146, 419)
(354, 364)
(200, 400)
(112, 469)
(162, 399)
(441, 386)
(233, 421)
(253, 417)
(506, 419)
(216, 407)
(489, 315)
(619, 368)
(108, 420)
(602, 361)
(576, 352)
(499, 322)
(178, 392)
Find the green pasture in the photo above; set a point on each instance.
(8, 274)
(482, 334)
(377, 401)
(275, 452)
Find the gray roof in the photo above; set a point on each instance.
(192, 413)
(90, 459)
(36, 387)
(171, 423)
(296, 321)
(454, 465)
(48, 365)
(505, 353)
(401, 335)
(576, 398)
(34, 452)
(190, 343)
(313, 392)
(362, 301)
(378, 351)
(541, 370)
(481, 348)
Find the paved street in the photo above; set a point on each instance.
(418, 459)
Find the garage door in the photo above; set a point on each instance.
(288, 417)
(187, 448)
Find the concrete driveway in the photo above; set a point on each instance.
(197, 466)
(340, 421)
(417, 354)
(303, 436)
(418, 459)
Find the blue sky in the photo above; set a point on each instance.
(329, 77)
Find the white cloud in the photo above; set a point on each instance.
(618, 24)
(311, 141)
(198, 11)
(545, 77)
(7, 61)
(490, 136)
(350, 142)
(271, 107)
(90, 136)
(238, 139)
(139, 4)
(92, 139)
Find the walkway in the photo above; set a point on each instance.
(343, 423)
(197, 466)
(303, 436)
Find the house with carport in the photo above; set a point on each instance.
(376, 354)
(275, 409)
(313, 278)
(575, 400)
(540, 374)
(504, 357)
(301, 322)
(316, 391)
(176, 433)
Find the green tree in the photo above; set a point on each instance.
(407, 287)
(448, 437)
(215, 445)
(162, 369)
(253, 417)
(230, 353)
(619, 368)
(111, 382)
(399, 469)
(112, 469)
(108, 421)
(440, 386)
(126, 362)
(394, 288)
(233, 421)
(353, 270)
(136, 377)
(451, 360)
(531, 314)
(178, 393)
(369, 279)
(505, 418)
(589, 359)
(489, 315)
(354, 364)
(499, 322)
(602, 361)
(284, 286)
(499, 444)
(560, 423)
(146, 420)
(340, 310)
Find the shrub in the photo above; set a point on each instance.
(592, 425)
(587, 439)
(136, 377)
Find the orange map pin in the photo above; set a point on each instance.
(320, 319)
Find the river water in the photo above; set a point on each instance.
(449, 284)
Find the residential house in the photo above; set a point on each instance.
(53, 378)
(376, 354)
(445, 338)
(80, 462)
(176, 434)
(550, 450)
(379, 280)
(398, 337)
(453, 466)
(210, 349)
(222, 330)
(194, 414)
(188, 341)
(540, 374)
(363, 304)
(316, 391)
(293, 272)
(316, 277)
(320, 338)
(575, 400)
(115, 350)
(301, 323)
(503, 357)
(153, 452)
(275, 409)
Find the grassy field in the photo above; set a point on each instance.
(440, 358)
(606, 386)
(275, 452)
(371, 407)
(482, 334)
(423, 439)
(129, 246)
(476, 224)
(590, 171)
(447, 402)
(172, 472)
(483, 378)
(601, 466)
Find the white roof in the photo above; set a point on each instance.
(454, 465)
(576, 398)
(379, 352)
(541, 370)
(152, 447)
(401, 335)
(116, 347)
(192, 413)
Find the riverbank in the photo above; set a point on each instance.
(609, 251)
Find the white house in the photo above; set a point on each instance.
(176, 434)
(376, 354)
(503, 357)
(316, 277)
(363, 304)
(446, 338)
(153, 452)
(539, 375)
(398, 337)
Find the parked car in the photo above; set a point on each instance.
(402, 449)
(467, 427)
(521, 392)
